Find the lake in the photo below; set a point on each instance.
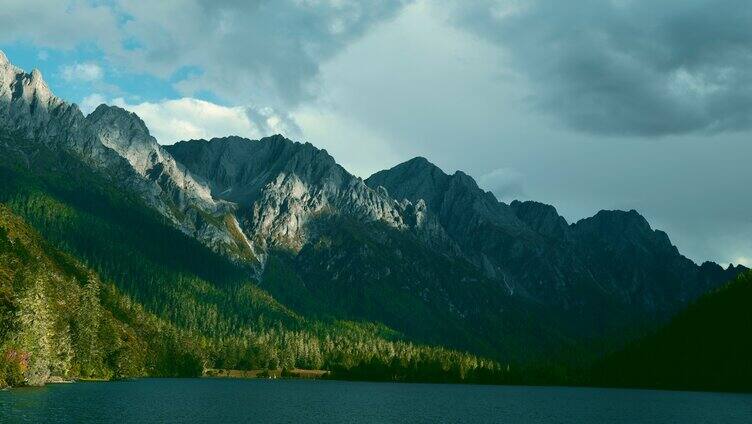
(294, 401)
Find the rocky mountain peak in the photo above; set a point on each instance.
(125, 133)
(36, 77)
(421, 164)
(118, 116)
(413, 180)
(613, 222)
(418, 179)
(27, 105)
(541, 217)
(282, 185)
(456, 199)
(623, 230)
(33, 87)
(466, 182)
(7, 68)
(237, 169)
(118, 142)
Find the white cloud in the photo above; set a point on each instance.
(505, 183)
(59, 23)
(743, 260)
(355, 147)
(82, 72)
(170, 121)
(90, 102)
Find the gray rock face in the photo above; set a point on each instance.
(542, 218)
(281, 185)
(237, 196)
(117, 143)
(461, 207)
(181, 196)
(488, 232)
(28, 108)
(127, 135)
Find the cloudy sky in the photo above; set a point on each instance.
(583, 104)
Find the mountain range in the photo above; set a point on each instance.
(237, 239)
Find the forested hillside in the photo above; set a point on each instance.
(57, 319)
(388, 277)
(186, 307)
(705, 347)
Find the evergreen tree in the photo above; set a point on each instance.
(37, 330)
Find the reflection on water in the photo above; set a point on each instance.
(293, 401)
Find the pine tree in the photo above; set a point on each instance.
(37, 329)
(89, 355)
(62, 361)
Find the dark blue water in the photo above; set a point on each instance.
(296, 401)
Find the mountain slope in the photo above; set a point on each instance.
(338, 248)
(77, 209)
(342, 243)
(659, 279)
(118, 143)
(280, 185)
(207, 309)
(106, 216)
(57, 319)
(271, 254)
(705, 347)
(530, 249)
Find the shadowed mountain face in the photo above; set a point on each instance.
(429, 254)
(336, 247)
(599, 275)
(705, 347)
(601, 267)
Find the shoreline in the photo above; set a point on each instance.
(276, 375)
(296, 373)
(307, 374)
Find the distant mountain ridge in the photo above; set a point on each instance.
(613, 258)
(429, 254)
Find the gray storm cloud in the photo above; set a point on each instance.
(628, 67)
(278, 45)
(259, 51)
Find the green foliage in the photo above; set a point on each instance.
(173, 307)
(41, 334)
(388, 276)
(37, 331)
(705, 347)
